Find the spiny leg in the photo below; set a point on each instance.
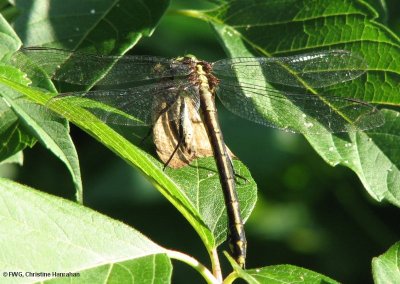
(234, 171)
(181, 135)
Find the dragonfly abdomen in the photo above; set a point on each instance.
(237, 236)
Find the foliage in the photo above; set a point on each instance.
(103, 249)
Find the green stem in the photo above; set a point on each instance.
(215, 264)
(207, 275)
(230, 278)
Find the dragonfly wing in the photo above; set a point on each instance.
(315, 70)
(138, 106)
(304, 113)
(86, 69)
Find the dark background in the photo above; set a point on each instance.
(308, 214)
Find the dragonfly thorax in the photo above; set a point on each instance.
(201, 75)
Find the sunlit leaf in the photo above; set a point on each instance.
(194, 190)
(280, 28)
(105, 26)
(69, 238)
(278, 274)
(386, 268)
(31, 123)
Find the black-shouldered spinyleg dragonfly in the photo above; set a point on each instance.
(168, 93)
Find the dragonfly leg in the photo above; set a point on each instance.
(181, 135)
(234, 172)
(146, 136)
(174, 152)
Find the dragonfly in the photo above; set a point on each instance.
(177, 98)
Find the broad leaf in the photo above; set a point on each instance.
(284, 273)
(371, 154)
(200, 183)
(50, 130)
(381, 7)
(73, 238)
(278, 274)
(279, 28)
(9, 41)
(23, 124)
(36, 124)
(199, 198)
(17, 158)
(194, 190)
(386, 268)
(12, 137)
(105, 26)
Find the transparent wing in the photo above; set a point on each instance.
(85, 69)
(315, 70)
(304, 113)
(244, 90)
(136, 106)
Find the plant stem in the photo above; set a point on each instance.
(231, 277)
(215, 264)
(208, 276)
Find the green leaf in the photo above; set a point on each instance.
(105, 26)
(280, 28)
(284, 273)
(102, 25)
(68, 237)
(371, 154)
(12, 138)
(276, 274)
(9, 41)
(200, 183)
(386, 268)
(52, 132)
(381, 7)
(198, 196)
(17, 158)
(194, 190)
(49, 129)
